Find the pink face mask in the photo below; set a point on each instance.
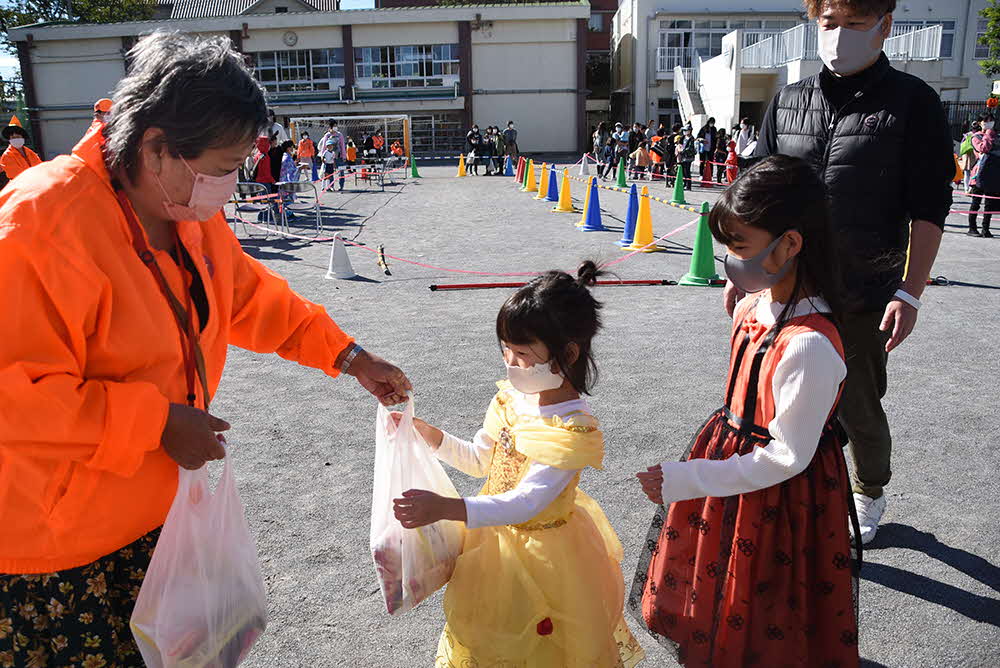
(208, 196)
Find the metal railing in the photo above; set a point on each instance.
(922, 44)
(798, 43)
(669, 57)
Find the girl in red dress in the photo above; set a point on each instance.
(749, 560)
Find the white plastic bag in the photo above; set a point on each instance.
(202, 603)
(411, 563)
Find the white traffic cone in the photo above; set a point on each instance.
(340, 261)
(584, 167)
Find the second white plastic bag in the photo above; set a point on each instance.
(202, 603)
(411, 563)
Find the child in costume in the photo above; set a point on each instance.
(748, 561)
(732, 163)
(539, 583)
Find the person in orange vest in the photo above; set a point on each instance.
(307, 151)
(17, 157)
(397, 149)
(378, 143)
(124, 288)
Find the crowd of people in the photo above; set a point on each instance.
(654, 151)
(490, 150)
(980, 166)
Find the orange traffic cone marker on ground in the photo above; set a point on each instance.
(461, 166)
(543, 184)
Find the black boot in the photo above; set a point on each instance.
(986, 231)
(973, 230)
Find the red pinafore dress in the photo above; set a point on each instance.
(766, 578)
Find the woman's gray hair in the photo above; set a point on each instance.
(200, 92)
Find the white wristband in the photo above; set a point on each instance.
(904, 296)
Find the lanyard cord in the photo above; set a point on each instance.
(194, 361)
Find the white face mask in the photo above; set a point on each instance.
(534, 380)
(846, 51)
(987, 125)
(17, 142)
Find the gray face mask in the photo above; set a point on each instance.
(749, 275)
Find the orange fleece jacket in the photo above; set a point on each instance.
(91, 358)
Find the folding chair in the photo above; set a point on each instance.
(246, 200)
(308, 202)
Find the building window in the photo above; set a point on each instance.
(982, 50)
(281, 10)
(299, 71)
(682, 41)
(596, 23)
(429, 65)
(947, 32)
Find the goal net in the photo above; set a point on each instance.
(394, 128)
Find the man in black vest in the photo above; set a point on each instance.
(880, 139)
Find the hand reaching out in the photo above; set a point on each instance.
(419, 508)
(652, 483)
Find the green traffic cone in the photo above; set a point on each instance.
(678, 197)
(622, 183)
(702, 272)
(413, 168)
(524, 182)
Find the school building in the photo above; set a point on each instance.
(443, 66)
(675, 61)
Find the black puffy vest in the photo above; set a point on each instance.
(860, 152)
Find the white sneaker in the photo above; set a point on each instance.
(869, 515)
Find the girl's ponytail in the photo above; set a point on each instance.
(587, 274)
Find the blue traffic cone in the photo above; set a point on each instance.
(508, 169)
(593, 223)
(631, 215)
(553, 194)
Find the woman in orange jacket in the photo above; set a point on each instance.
(17, 157)
(124, 287)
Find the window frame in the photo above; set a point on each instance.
(276, 71)
(407, 66)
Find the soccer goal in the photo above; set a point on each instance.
(394, 128)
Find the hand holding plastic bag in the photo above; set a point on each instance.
(202, 603)
(411, 563)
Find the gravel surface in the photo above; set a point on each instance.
(304, 457)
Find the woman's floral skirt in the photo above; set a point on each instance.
(76, 617)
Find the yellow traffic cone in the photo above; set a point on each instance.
(586, 204)
(532, 185)
(644, 227)
(565, 204)
(461, 166)
(543, 184)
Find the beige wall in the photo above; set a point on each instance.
(401, 34)
(544, 122)
(329, 37)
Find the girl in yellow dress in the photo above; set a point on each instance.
(539, 582)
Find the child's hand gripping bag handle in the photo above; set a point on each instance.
(202, 601)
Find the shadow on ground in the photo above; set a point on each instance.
(901, 536)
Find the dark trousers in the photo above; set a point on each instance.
(987, 206)
(684, 171)
(860, 410)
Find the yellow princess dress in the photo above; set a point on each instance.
(547, 593)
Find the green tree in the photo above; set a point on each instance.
(23, 12)
(991, 65)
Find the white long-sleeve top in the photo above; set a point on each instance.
(805, 385)
(539, 487)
